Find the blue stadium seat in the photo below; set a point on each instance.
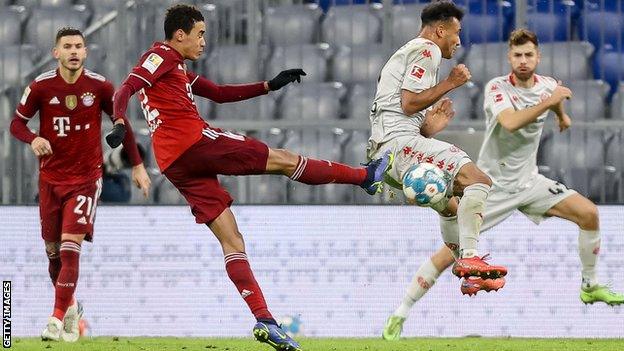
(603, 27)
(352, 25)
(550, 26)
(313, 101)
(362, 63)
(609, 66)
(311, 57)
(292, 24)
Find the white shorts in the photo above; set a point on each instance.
(411, 150)
(534, 202)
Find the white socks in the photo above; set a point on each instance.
(450, 234)
(423, 280)
(469, 217)
(588, 246)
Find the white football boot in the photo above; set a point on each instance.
(52, 332)
(71, 331)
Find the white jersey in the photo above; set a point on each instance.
(413, 67)
(510, 159)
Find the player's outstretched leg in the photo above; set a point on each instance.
(275, 336)
(393, 328)
(314, 172)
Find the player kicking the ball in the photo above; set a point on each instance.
(408, 110)
(516, 106)
(191, 153)
(70, 101)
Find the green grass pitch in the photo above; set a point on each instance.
(323, 344)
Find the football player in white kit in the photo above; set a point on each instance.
(516, 106)
(409, 109)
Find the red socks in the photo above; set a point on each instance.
(54, 268)
(313, 172)
(239, 271)
(67, 278)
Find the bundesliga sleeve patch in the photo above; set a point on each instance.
(152, 62)
(417, 73)
(25, 96)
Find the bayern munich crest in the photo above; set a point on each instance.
(87, 99)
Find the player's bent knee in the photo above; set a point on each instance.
(589, 218)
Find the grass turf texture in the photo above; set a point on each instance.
(322, 344)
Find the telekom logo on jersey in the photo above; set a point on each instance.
(61, 126)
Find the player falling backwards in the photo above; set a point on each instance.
(408, 111)
(191, 153)
(516, 106)
(70, 101)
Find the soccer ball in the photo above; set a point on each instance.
(291, 325)
(425, 184)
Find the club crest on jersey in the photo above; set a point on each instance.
(87, 99)
(417, 72)
(152, 62)
(71, 101)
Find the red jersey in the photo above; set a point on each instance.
(168, 103)
(70, 118)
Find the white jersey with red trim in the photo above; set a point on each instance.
(510, 159)
(413, 67)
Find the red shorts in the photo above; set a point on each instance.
(195, 172)
(68, 209)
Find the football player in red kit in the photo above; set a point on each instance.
(191, 153)
(70, 101)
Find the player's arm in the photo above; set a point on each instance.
(563, 119)
(230, 93)
(26, 109)
(413, 99)
(512, 119)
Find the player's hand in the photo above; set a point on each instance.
(285, 77)
(41, 147)
(559, 94)
(438, 117)
(564, 122)
(141, 179)
(459, 75)
(116, 136)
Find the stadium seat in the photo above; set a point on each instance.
(617, 104)
(603, 28)
(576, 66)
(360, 100)
(550, 26)
(45, 22)
(352, 25)
(15, 63)
(362, 63)
(589, 102)
(265, 189)
(45, 3)
(312, 101)
(487, 61)
(167, 194)
(259, 108)
(354, 154)
(10, 25)
(222, 68)
(406, 23)
(311, 57)
(483, 28)
(316, 144)
(614, 169)
(609, 66)
(292, 24)
(463, 98)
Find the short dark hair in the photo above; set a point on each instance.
(440, 11)
(522, 36)
(67, 31)
(181, 16)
